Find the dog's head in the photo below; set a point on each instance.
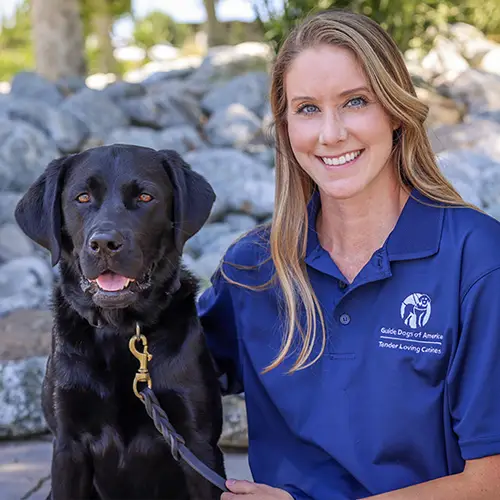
(114, 213)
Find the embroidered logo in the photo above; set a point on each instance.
(416, 310)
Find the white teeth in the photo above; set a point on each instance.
(340, 160)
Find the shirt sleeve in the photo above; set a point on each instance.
(474, 375)
(216, 312)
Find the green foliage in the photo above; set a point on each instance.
(412, 23)
(15, 31)
(158, 27)
(15, 43)
(115, 8)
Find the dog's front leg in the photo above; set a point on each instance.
(71, 472)
(200, 488)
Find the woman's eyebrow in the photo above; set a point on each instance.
(342, 94)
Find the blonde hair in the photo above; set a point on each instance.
(413, 157)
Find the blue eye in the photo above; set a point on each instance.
(307, 109)
(356, 102)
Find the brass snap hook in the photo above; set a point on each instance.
(142, 375)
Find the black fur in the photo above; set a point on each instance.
(105, 444)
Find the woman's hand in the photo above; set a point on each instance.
(253, 490)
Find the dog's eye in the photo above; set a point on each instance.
(145, 197)
(83, 198)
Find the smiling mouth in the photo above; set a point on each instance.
(339, 161)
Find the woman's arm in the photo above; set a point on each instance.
(480, 480)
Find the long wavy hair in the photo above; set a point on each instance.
(412, 156)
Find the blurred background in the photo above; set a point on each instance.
(193, 75)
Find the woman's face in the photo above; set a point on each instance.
(340, 135)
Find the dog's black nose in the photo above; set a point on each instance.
(106, 242)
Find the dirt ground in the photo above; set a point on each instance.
(25, 333)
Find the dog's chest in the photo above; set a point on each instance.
(95, 385)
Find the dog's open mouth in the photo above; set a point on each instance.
(112, 282)
(114, 290)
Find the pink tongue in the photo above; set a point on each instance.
(111, 282)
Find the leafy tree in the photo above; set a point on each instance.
(158, 27)
(15, 31)
(58, 38)
(98, 17)
(215, 35)
(15, 42)
(411, 23)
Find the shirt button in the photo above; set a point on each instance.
(342, 284)
(345, 319)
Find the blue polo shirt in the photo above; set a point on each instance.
(408, 386)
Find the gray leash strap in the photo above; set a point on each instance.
(177, 443)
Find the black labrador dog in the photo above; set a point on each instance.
(116, 219)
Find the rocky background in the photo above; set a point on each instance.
(215, 112)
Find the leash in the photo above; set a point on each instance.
(162, 423)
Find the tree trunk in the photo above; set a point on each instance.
(58, 38)
(215, 35)
(102, 23)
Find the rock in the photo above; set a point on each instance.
(20, 392)
(99, 81)
(71, 84)
(478, 90)
(225, 62)
(465, 170)
(66, 130)
(13, 242)
(490, 180)
(182, 139)
(160, 110)
(464, 135)
(234, 126)
(140, 136)
(465, 164)
(442, 110)
(25, 151)
(121, 89)
(25, 333)
(243, 185)
(471, 42)
(25, 283)
(155, 71)
(32, 85)
(494, 211)
(98, 112)
(205, 266)
(240, 222)
(8, 202)
(444, 60)
(248, 90)
(208, 236)
(234, 432)
(490, 62)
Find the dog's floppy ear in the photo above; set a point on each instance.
(193, 197)
(38, 212)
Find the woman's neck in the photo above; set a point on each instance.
(351, 230)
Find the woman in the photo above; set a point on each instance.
(363, 324)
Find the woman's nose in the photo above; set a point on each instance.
(333, 129)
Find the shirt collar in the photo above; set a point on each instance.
(417, 233)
